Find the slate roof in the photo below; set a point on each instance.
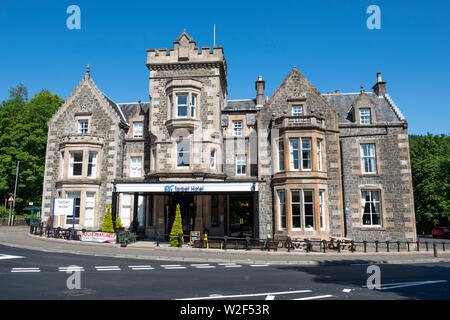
(241, 105)
(385, 108)
(128, 108)
(115, 107)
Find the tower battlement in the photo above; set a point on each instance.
(185, 51)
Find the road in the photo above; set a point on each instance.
(30, 274)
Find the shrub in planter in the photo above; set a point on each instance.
(107, 225)
(177, 228)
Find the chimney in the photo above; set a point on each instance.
(259, 85)
(380, 87)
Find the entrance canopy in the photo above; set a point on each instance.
(188, 186)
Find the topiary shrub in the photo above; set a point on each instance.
(107, 225)
(177, 228)
(118, 223)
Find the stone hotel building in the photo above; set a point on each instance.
(298, 163)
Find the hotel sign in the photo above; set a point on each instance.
(182, 188)
(234, 186)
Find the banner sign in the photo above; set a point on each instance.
(194, 236)
(198, 187)
(98, 237)
(63, 207)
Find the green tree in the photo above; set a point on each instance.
(107, 225)
(430, 167)
(118, 223)
(23, 136)
(177, 228)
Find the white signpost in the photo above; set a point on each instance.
(64, 207)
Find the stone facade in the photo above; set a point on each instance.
(305, 164)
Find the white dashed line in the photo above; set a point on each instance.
(107, 268)
(347, 290)
(66, 269)
(25, 270)
(316, 297)
(259, 265)
(8, 256)
(143, 267)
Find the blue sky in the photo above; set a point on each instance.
(327, 40)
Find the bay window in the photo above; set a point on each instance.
(76, 164)
(282, 209)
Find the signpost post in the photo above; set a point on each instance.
(10, 200)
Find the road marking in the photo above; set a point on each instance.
(170, 265)
(347, 290)
(259, 265)
(25, 270)
(107, 268)
(269, 297)
(142, 267)
(233, 266)
(216, 296)
(316, 297)
(65, 269)
(199, 264)
(173, 268)
(387, 286)
(8, 256)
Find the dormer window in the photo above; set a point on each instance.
(297, 110)
(138, 129)
(83, 126)
(364, 116)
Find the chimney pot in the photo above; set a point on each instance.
(259, 85)
(379, 77)
(380, 87)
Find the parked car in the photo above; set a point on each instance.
(440, 232)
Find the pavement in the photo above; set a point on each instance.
(19, 237)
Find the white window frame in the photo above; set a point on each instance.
(193, 105)
(71, 195)
(309, 152)
(135, 167)
(179, 105)
(212, 159)
(138, 129)
(281, 164)
(72, 163)
(368, 158)
(292, 151)
(238, 128)
(89, 209)
(297, 110)
(92, 162)
(83, 126)
(365, 116)
(374, 202)
(322, 221)
(280, 211)
(187, 143)
(241, 165)
(304, 211)
(300, 208)
(319, 154)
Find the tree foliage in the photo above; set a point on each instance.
(430, 166)
(177, 228)
(23, 136)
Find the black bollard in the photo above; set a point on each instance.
(157, 238)
(324, 246)
(225, 239)
(180, 237)
(247, 243)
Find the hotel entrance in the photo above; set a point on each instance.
(241, 216)
(187, 209)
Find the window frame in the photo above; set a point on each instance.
(242, 164)
(72, 163)
(133, 167)
(297, 113)
(177, 95)
(366, 159)
(236, 129)
(281, 156)
(292, 151)
(367, 116)
(309, 152)
(187, 141)
(82, 128)
(319, 145)
(364, 203)
(141, 123)
(322, 214)
(93, 165)
(281, 212)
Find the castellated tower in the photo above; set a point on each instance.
(188, 90)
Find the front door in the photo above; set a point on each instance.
(187, 210)
(241, 216)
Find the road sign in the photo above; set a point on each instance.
(11, 199)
